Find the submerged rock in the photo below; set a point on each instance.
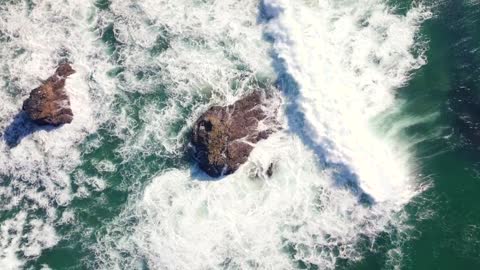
(49, 104)
(223, 137)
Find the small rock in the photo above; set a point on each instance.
(224, 137)
(49, 104)
(270, 170)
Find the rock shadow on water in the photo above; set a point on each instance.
(22, 126)
(342, 174)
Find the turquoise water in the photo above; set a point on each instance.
(376, 167)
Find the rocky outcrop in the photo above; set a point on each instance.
(49, 103)
(223, 137)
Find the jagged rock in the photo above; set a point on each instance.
(49, 104)
(223, 137)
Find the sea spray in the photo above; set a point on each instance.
(346, 61)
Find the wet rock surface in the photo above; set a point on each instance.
(224, 136)
(49, 103)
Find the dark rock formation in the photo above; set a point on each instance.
(223, 137)
(49, 103)
(270, 170)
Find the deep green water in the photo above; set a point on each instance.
(447, 216)
(444, 219)
(449, 85)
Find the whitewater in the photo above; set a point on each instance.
(145, 71)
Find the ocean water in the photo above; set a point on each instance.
(376, 166)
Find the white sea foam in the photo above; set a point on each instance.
(210, 45)
(34, 170)
(346, 58)
(246, 220)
